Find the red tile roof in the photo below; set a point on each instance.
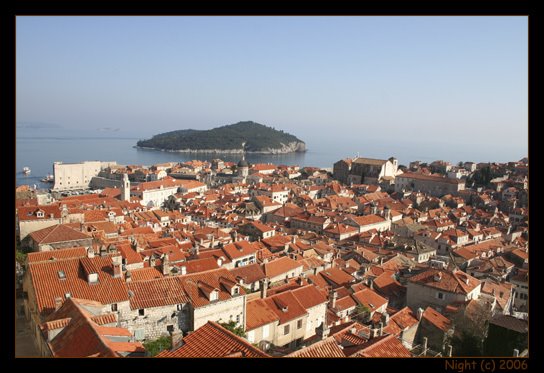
(453, 282)
(285, 306)
(73, 252)
(250, 273)
(309, 296)
(336, 276)
(48, 285)
(83, 337)
(147, 273)
(325, 348)
(212, 279)
(156, 293)
(212, 340)
(240, 249)
(436, 319)
(57, 233)
(258, 313)
(280, 266)
(385, 346)
(369, 298)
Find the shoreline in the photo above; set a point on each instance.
(220, 151)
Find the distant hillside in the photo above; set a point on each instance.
(258, 138)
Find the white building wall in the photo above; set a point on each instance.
(223, 311)
(316, 316)
(70, 176)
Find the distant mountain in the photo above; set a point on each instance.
(257, 138)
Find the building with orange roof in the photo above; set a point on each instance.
(439, 288)
(56, 237)
(79, 328)
(213, 341)
(281, 269)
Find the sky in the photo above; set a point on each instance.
(455, 81)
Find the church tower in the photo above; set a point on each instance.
(125, 189)
(243, 166)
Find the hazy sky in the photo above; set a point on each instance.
(445, 79)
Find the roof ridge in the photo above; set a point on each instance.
(231, 334)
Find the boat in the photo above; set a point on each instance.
(48, 179)
(26, 170)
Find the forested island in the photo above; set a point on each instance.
(246, 136)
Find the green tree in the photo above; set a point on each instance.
(233, 327)
(361, 312)
(158, 345)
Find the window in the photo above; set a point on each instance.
(286, 330)
(62, 275)
(179, 307)
(238, 319)
(141, 312)
(170, 328)
(114, 307)
(299, 324)
(440, 295)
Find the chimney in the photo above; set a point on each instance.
(219, 262)
(438, 277)
(116, 263)
(424, 346)
(128, 276)
(419, 313)
(385, 318)
(183, 270)
(90, 252)
(449, 350)
(353, 331)
(58, 303)
(264, 287)
(516, 352)
(300, 280)
(334, 296)
(165, 265)
(176, 339)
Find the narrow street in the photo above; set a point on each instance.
(24, 345)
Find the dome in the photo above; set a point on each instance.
(243, 163)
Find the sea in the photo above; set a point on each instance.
(39, 153)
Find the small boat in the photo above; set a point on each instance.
(26, 170)
(48, 179)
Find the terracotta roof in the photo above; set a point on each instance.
(146, 273)
(48, 284)
(239, 249)
(156, 293)
(258, 313)
(511, 323)
(30, 212)
(212, 340)
(384, 346)
(344, 303)
(416, 176)
(128, 253)
(199, 265)
(325, 348)
(57, 233)
(436, 319)
(405, 318)
(280, 266)
(285, 306)
(73, 252)
(309, 296)
(83, 337)
(193, 285)
(250, 273)
(336, 276)
(369, 161)
(367, 219)
(453, 282)
(369, 298)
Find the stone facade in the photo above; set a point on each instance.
(73, 176)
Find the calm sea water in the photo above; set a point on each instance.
(40, 153)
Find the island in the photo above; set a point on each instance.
(240, 137)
